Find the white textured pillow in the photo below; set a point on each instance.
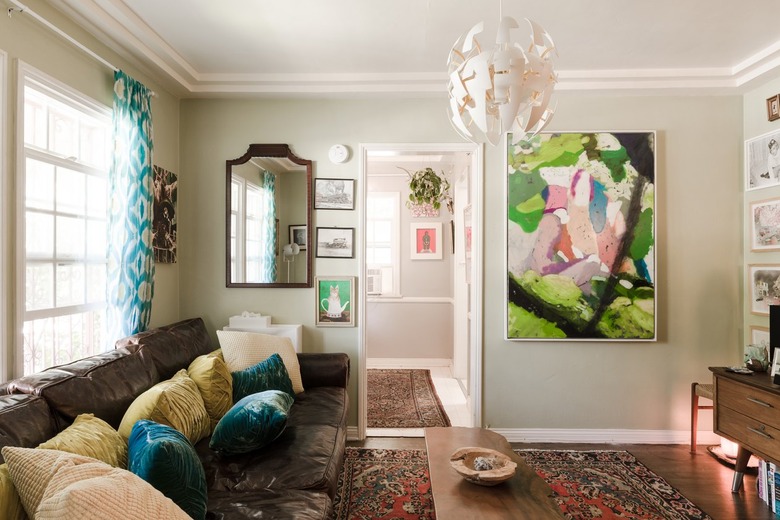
(245, 349)
(57, 485)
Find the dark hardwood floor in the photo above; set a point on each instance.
(700, 477)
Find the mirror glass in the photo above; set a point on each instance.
(268, 218)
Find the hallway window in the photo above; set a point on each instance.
(382, 244)
(66, 151)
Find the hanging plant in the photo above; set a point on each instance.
(428, 187)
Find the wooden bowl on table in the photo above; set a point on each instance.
(483, 466)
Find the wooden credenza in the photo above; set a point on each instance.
(747, 411)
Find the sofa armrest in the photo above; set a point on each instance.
(330, 369)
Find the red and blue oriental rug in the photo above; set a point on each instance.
(384, 484)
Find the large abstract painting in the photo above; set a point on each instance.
(581, 236)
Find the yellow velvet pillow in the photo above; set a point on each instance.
(213, 379)
(175, 402)
(57, 485)
(91, 437)
(10, 503)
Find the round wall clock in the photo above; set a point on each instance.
(338, 153)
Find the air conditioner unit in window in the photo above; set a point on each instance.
(373, 281)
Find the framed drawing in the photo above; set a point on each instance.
(773, 107)
(759, 335)
(333, 242)
(425, 241)
(765, 225)
(580, 239)
(334, 194)
(764, 283)
(298, 235)
(762, 161)
(335, 301)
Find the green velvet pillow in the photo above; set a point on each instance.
(165, 459)
(253, 422)
(270, 374)
(212, 377)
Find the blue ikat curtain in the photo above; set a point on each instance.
(130, 255)
(268, 218)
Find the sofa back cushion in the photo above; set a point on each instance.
(25, 420)
(172, 347)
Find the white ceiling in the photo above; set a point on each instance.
(316, 47)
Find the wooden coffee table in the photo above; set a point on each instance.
(524, 496)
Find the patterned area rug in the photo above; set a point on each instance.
(604, 485)
(403, 398)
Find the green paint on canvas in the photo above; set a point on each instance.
(643, 235)
(615, 160)
(529, 213)
(523, 324)
(557, 293)
(559, 150)
(521, 188)
(625, 318)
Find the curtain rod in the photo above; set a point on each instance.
(21, 8)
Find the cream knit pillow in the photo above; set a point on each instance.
(245, 349)
(57, 485)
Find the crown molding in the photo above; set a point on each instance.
(116, 26)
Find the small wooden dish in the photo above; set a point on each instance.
(494, 466)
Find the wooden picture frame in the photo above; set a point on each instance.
(334, 194)
(335, 301)
(335, 242)
(773, 108)
(298, 235)
(425, 241)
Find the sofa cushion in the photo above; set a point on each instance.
(25, 420)
(10, 503)
(175, 402)
(104, 384)
(253, 422)
(171, 347)
(321, 405)
(213, 379)
(165, 458)
(243, 349)
(270, 503)
(270, 374)
(58, 485)
(91, 437)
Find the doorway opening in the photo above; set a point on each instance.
(420, 302)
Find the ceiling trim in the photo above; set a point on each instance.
(129, 34)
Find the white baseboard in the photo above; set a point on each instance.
(539, 435)
(407, 362)
(352, 433)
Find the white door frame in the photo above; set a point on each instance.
(477, 186)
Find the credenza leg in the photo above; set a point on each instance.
(743, 456)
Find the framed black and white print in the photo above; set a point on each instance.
(334, 242)
(334, 194)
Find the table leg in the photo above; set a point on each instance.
(743, 456)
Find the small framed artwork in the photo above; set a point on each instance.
(762, 161)
(298, 234)
(334, 194)
(335, 301)
(764, 283)
(776, 364)
(765, 225)
(334, 242)
(773, 107)
(759, 335)
(425, 241)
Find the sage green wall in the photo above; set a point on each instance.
(22, 38)
(756, 124)
(526, 384)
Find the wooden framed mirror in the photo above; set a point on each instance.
(268, 218)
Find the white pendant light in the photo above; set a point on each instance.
(499, 89)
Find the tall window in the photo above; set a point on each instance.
(64, 181)
(249, 238)
(382, 243)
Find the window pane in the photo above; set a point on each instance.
(70, 284)
(71, 239)
(97, 196)
(39, 235)
(35, 119)
(93, 145)
(96, 239)
(383, 231)
(383, 255)
(96, 283)
(39, 185)
(39, 286)
(59, 340)
(64, 132)
(70, 191)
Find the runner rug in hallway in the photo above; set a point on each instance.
(403, 398)
(384, 484)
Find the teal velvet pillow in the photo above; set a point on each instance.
(270, 374)
(166, 459)
(253, 422)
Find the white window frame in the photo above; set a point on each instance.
(5, 371)
(71, 97)
(239, 258)
(395, 254)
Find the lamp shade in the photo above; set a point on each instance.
(291, 249)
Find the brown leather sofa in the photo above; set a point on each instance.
(294, 477)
